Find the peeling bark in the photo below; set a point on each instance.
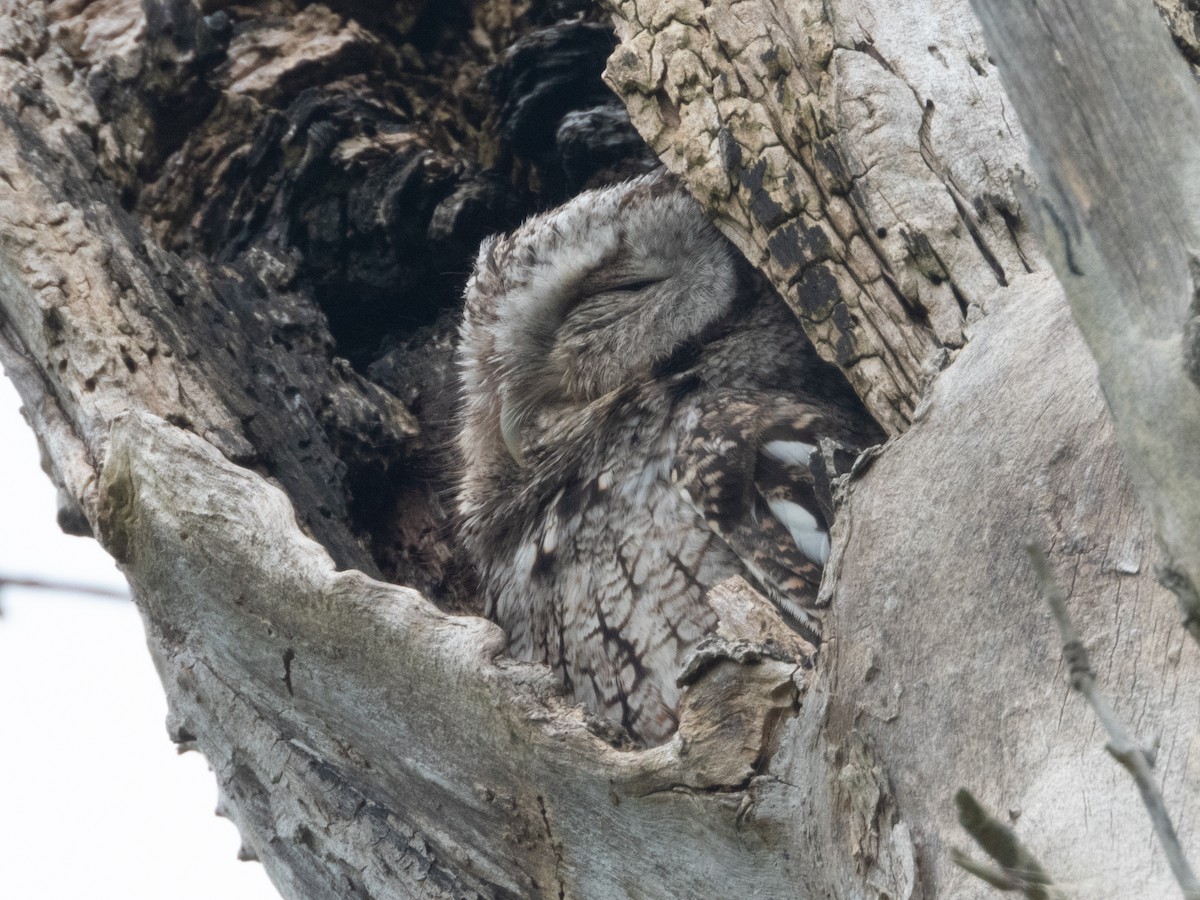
(232, 239)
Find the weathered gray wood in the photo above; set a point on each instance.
(951, 668)
(1113, 112)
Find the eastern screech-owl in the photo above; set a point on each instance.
(638, 423)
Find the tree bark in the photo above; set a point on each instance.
(1113, 146)
(231, 240)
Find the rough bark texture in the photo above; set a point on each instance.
(231, 244)
(857, 153)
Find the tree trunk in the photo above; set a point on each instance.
(232, 240)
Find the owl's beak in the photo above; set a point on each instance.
(511, 421)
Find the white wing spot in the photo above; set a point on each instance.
(810, 537)
(796, 453)
(525, 558)
(550, 537)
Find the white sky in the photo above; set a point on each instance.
(94, 801)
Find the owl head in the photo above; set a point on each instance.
(581, 301)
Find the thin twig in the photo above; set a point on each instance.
(1138, 761)
(66, 587)
(1018, 869)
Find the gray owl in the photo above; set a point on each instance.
(638, 423)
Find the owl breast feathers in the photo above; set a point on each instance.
(638, 422)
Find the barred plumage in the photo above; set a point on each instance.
(639, 417)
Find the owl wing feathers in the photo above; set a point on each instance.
(744, 467)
